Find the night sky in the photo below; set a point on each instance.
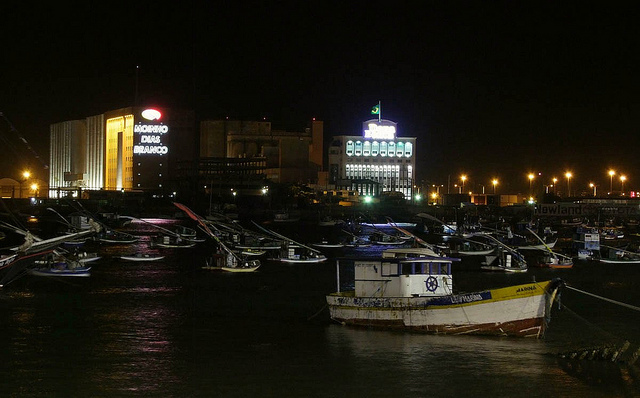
(491, 89)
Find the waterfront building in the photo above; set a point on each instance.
(133, 148)
(374, 162)
(288, 156)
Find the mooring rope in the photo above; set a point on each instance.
(633, 307)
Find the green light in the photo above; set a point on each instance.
(418, 197)
(368, 199)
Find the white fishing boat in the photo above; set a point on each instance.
(504, 260)
(142, 257)
(412, 291)
(224, 259)
(327, 245)
(292, 252)
(170, 242)
(230, 263)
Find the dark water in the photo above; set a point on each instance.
(169, 329)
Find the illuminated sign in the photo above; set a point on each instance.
(151, 128)
(151, 114)
(383, 130)
(150, 139)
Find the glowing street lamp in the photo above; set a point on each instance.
(611, 174)
(622, 180)
(555, 185)
(463, 178)
(593, 186)
(494, 182)
(568, 175)
(531, 177)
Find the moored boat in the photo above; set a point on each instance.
(416, 293)
(59, 266)
(142, 257)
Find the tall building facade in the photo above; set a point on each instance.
(290, 156)
(131, 148)
(376, 161)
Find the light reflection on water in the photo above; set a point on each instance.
(169, 329)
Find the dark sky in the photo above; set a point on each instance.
(491, 89)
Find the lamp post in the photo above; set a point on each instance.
(622, 180)
(555, 186)
(531, 177)
(611, 174)
(494, 182)
(568, 175)
(593, 186)
(463, 178)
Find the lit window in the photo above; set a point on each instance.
(375, 148)
(400, 149)
(358, 151)
(391, 151)
(383, 148)
(349, 148)
(366, 148)
(408, 149)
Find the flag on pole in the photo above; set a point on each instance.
(375, 110)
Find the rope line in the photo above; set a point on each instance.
(633, 307)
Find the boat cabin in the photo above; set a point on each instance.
(404, 273)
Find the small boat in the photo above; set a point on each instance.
(555, 260)
(230, 263)
(330, 222)
(115, 237)
(552, 259)
(85, 257)
(326, 245)
(541, 246)
(620, 256)
(380, 238)
(59, 266)
(410, 291)
(293, 252)
(142, 257)
(502, 260)
(252, 252)
(7, 259)
(225, 259)
(171, 242)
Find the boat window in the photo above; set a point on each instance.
(407, 269)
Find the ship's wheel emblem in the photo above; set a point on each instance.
(431, 283)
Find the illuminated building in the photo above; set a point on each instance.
(376, 161)
(132, 148)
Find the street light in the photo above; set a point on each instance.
(494, 182)
(593, 186)
(555, 186)
(622, 180)
(463, 178)
(611, 174)
(568, 175)
(531, 177)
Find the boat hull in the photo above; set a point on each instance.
(513, 311)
